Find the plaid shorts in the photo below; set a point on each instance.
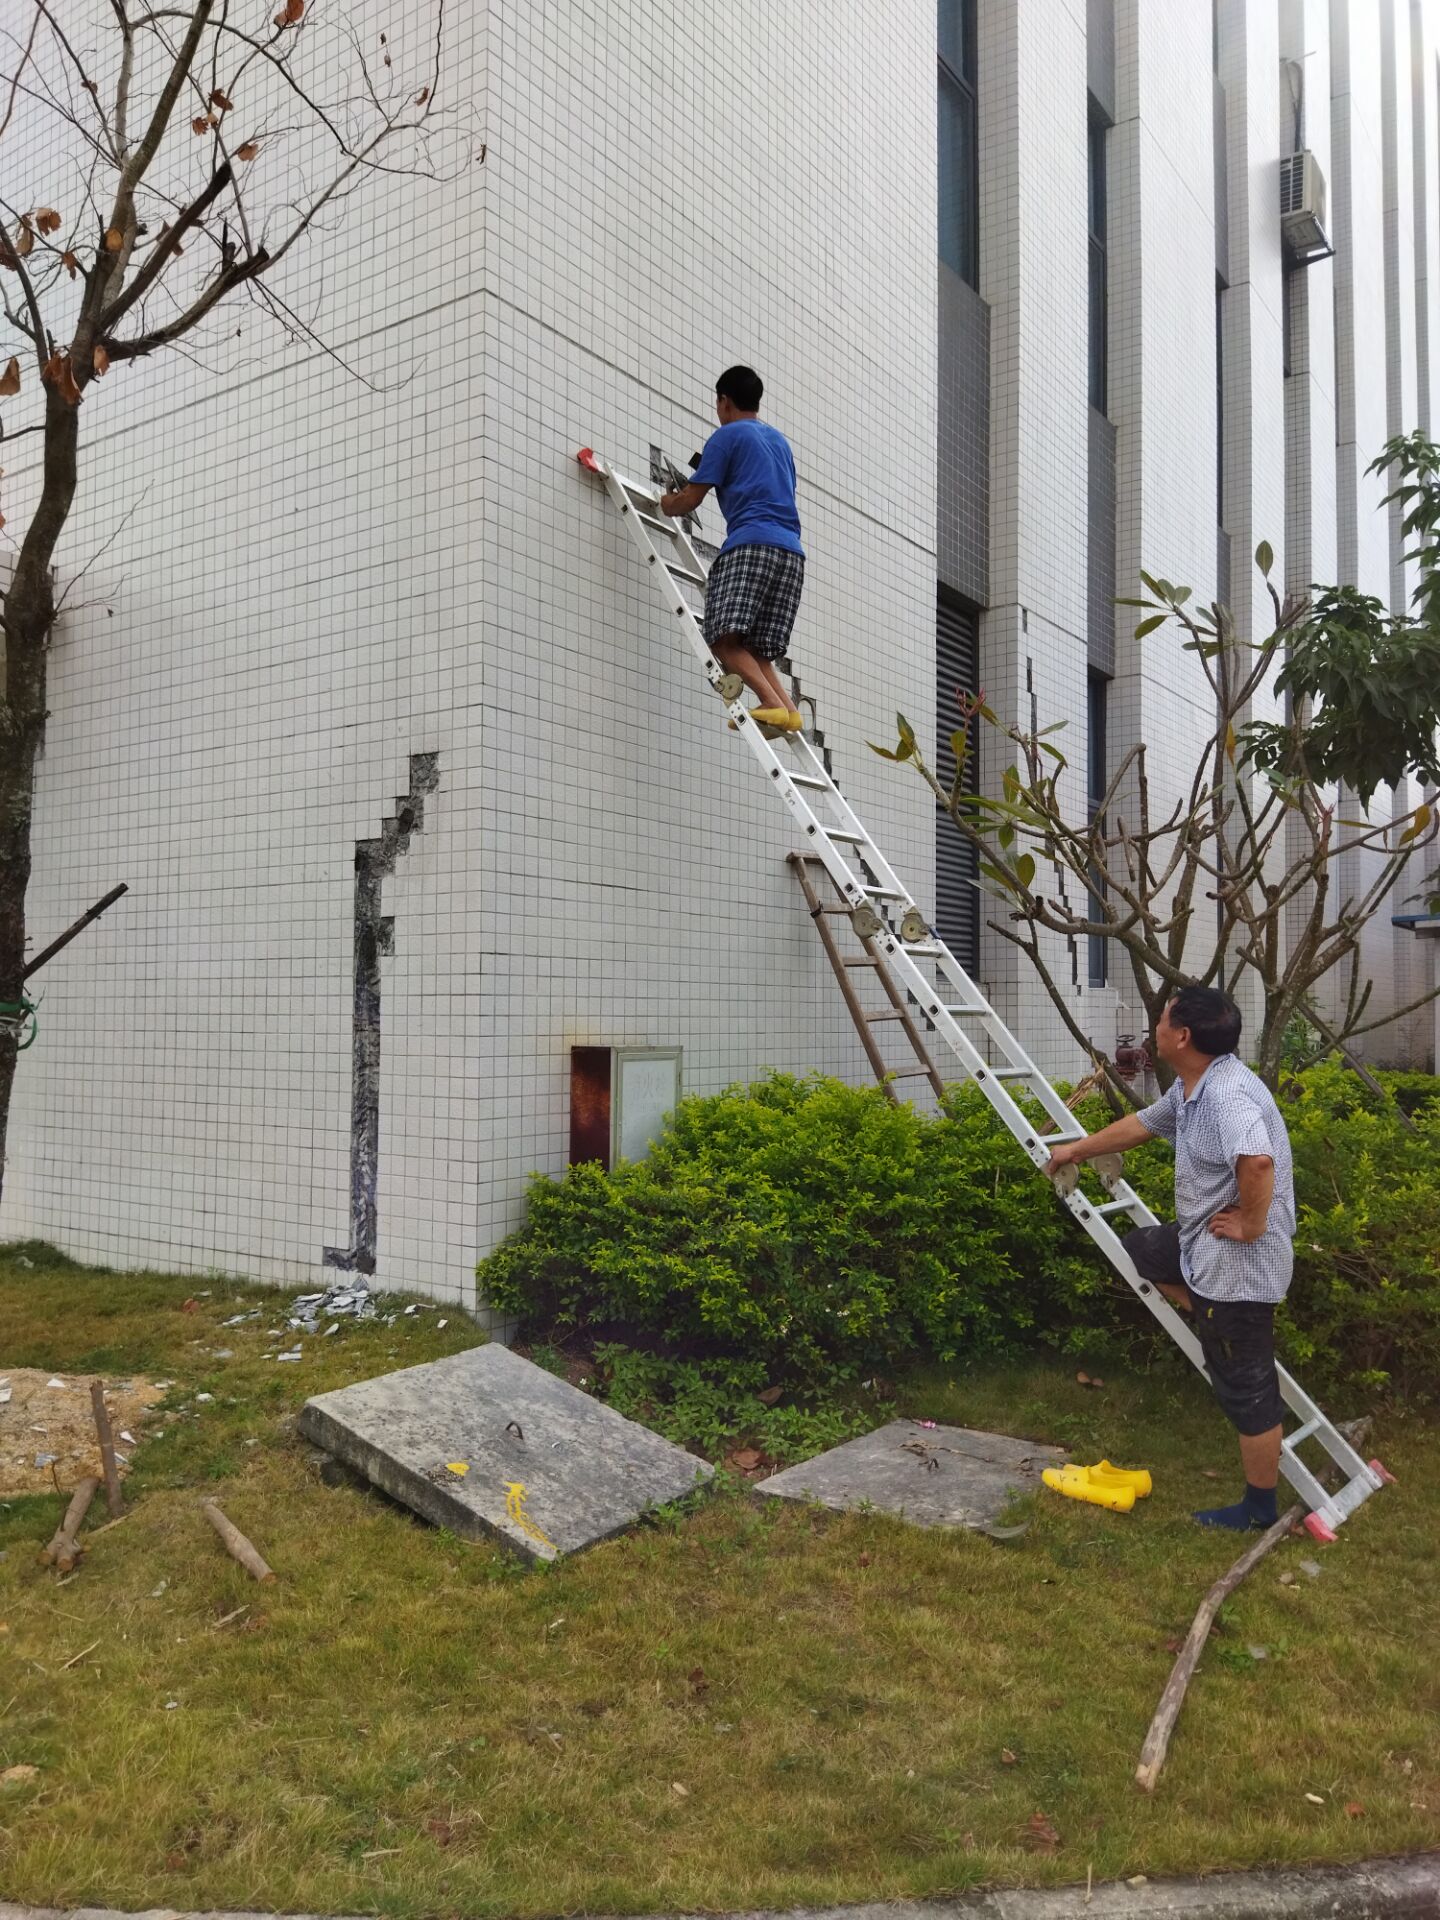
(753, 594)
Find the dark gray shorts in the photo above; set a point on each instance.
(752, 594)
(1237, 1337)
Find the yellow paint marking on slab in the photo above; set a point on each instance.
(515, 1498)
(458, 1466)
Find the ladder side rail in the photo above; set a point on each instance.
(849, 821)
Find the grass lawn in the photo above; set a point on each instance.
(745, 1705)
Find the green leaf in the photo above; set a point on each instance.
(997, 874)
(987, 713)
(1025, 869)
(1265, 557)
(1055, 726)
(1134, 603)
(907, 732)
(1149, 626)
(1006, 835)
(884, 752)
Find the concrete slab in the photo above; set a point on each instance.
(933, 1476)
(488, 1444)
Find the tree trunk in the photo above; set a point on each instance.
(29, 614)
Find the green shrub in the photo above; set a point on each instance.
(814, 1232)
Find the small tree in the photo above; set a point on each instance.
(174, 156)
(1235, 882)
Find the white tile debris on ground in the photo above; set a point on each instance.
(57, 1408)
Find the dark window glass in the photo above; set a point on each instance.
(1099, 398)
(957, 900)
(1097, 717)
(959, 141)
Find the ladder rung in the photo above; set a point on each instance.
(885, 893)
(809, 780)
(955, 1012)
(923, 953)
(856, 961)
(844, 833)
(1114, 1206)
(677, 572)
(893, 1014)
(1012, 1073)
(1304, 1433)
(655, 520)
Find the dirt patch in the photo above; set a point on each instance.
(47, 1430)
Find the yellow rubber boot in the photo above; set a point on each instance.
(1075, 1483)
(1107, 1476)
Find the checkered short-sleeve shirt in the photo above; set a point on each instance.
(1230, 1113)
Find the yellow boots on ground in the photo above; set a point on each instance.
(1117, 1488)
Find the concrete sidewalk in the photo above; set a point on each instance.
(1407, 1889)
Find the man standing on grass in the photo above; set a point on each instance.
(753, 592)
(1228, 1256)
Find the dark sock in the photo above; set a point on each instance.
(1255, 1512)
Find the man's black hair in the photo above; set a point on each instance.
(1212, 1017)
(742, 386)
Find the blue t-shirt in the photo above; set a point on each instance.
(752, 470)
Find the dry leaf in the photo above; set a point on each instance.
(1040, 1834)
(422, 96)
(290, 13)
(47, 220)
(100, 358)
(61, 375)
(202, 123)
(864, 1560)
(745, 1458)
(769, 1396)
(25, 241)
(440, 1831)
(698, 1683)
(1083, 1379)
(1211, 1473)
(10, 379)
(1354, 1810)
(70, 262)
(248, 151)
(1174, 1643)
(16, 1776)
(1008, 1759)
(114, 240)
(219, 98)
(190, 1306)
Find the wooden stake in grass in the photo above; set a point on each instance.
(236, 1545)
(1157, 1740)
(63, 1550)
(113, 1496)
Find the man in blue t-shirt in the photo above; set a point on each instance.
(753, 592)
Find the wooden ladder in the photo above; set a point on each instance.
(845, 967)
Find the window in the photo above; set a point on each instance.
(1097, 716)
(1099, 398)
(957, 898)
(1219, 401)
(959, 143)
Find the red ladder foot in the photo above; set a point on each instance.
(1318, 1530)
(1384, 1473)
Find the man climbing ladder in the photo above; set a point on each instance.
(753, 592)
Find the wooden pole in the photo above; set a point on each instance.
(90, 913)
(113, 1496)
(236, 1545)
(1157, 1740)
(63, 1551)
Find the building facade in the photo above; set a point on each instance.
(376, 712)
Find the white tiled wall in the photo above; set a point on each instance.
(313, 576)
(323, 577)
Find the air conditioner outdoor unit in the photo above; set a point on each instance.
(1302, 204)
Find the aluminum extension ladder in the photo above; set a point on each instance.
(948, 1000)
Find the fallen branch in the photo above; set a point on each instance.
(113, 1496)
(1157, 1740)
(236, 1545)
(63, 1550)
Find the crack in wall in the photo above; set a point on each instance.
(374, 938)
